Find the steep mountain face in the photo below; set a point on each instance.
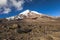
(31, 15)
(30, 25)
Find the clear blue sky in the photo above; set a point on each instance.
(49, 7)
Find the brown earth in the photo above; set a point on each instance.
(33, 28)
(29, 29)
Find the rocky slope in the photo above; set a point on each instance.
(30, 25)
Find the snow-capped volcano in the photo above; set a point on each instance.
(27, 14)
(28, 11)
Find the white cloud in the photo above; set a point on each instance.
(18, 4)
(5, 4)
(6, 10)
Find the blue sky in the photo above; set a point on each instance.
(49, 7)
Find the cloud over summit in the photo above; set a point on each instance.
(3, 2)
(5, 5)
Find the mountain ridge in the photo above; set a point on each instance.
(26, 13)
